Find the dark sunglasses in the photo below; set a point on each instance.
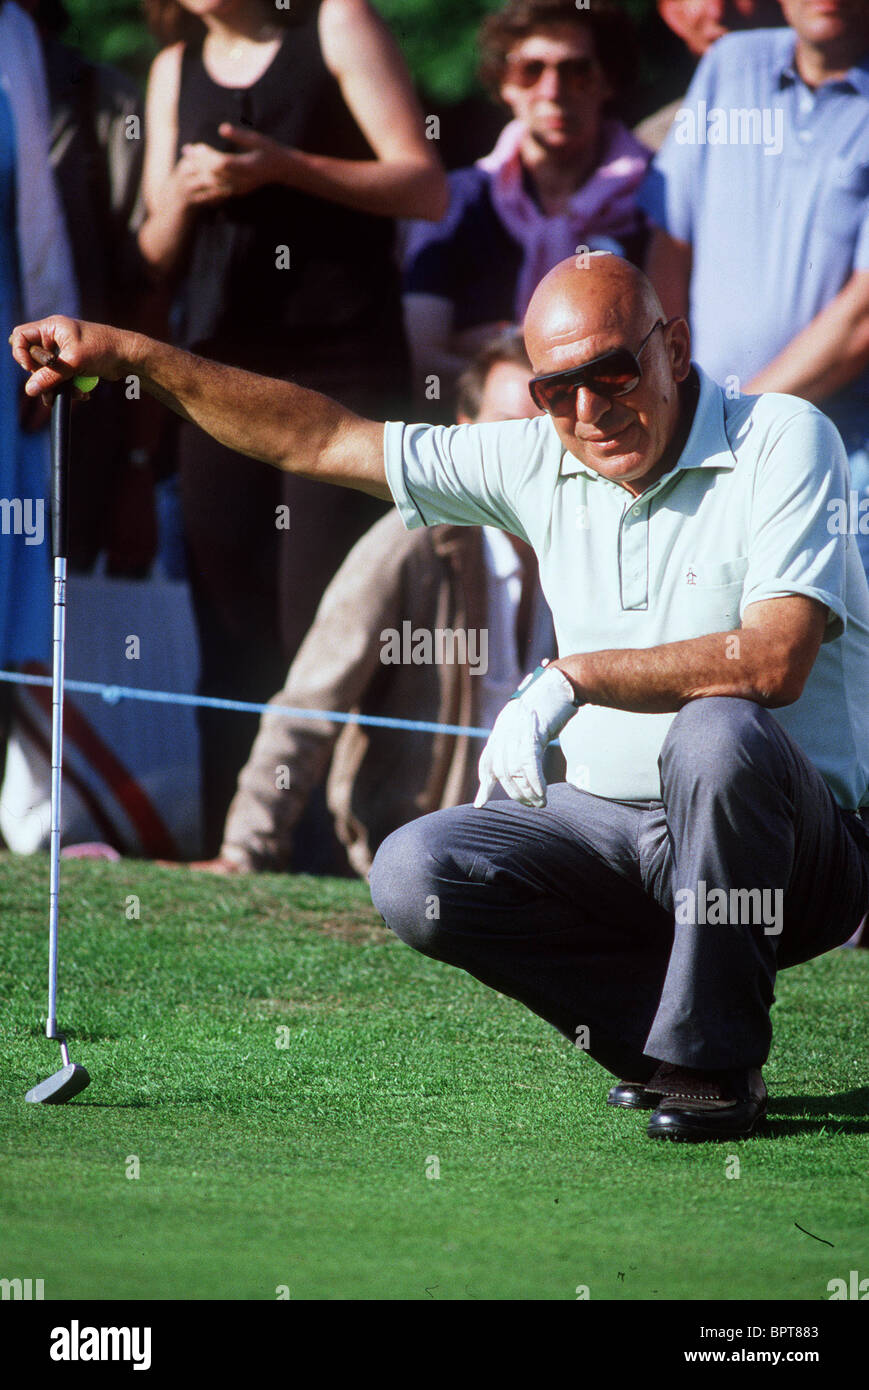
(573, 73)
(614, 374)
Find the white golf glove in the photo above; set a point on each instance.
(529, 721)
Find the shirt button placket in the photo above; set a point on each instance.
(634, 557)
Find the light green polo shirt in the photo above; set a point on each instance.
(748, 513)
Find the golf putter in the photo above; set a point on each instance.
(71, 1078)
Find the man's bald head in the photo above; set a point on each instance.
(583, 297)
(591, 305)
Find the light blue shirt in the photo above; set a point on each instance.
(748, 513)
(779, 220)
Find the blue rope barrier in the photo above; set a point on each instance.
(112, 694)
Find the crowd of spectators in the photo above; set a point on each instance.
(285, 210)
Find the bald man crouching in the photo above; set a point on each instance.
(710, 699)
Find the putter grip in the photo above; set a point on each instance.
(60, 430)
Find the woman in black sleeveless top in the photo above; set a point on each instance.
(280, 144)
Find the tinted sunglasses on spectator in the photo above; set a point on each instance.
(615, 373)
(574, 73)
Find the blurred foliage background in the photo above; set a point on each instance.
(437, 36)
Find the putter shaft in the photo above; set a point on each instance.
(56, 786)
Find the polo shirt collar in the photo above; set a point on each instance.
(707, 445)
(786, 71)
(858, 76)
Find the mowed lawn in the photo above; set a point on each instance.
(287, 1079)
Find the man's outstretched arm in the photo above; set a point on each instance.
(287, 426)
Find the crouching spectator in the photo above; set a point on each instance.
(401, 600)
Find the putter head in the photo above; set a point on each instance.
(62, 1086)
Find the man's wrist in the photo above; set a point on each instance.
(534, 676)
(164, 371)
(137, 354)
(578, 698)
(548, 696)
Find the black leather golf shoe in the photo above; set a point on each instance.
(702, 1105)
(634, 1095)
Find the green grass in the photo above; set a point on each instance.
(305, 1165)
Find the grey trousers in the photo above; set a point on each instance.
(598, 914)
